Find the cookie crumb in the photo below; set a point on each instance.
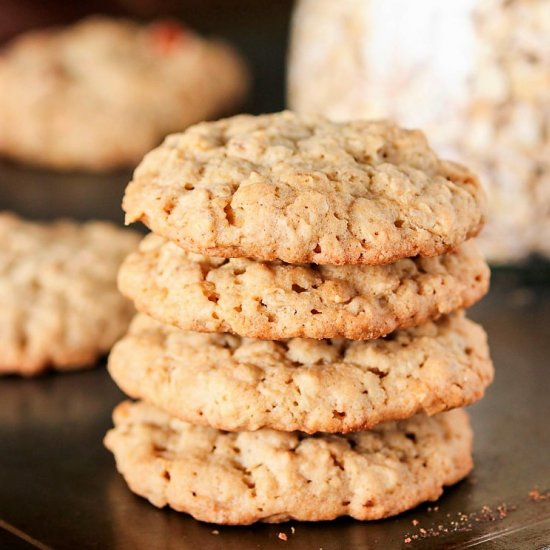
(463, 522)
(215, 532)
(282, 536)
(536, 496)
(502, 510)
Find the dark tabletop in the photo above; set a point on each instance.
(59, 487)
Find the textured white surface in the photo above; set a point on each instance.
(474, 75)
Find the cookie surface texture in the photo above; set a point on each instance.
(276, 300)
(304, 189)
(241, 478)
(240, 384)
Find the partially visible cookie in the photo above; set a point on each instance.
(240, 384)
(60, 307)
(276, 300)
(101, 93)
(241, 478)
(304, 189)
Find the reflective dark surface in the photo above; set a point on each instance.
(58, 485)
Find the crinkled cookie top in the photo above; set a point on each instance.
(304, 189)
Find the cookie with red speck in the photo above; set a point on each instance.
(99, 94)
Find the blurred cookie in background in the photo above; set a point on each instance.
(474, 75)
(60, 307)
(99, 94)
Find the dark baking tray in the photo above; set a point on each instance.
(59, 487)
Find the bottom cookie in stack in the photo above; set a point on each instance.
(174, 448)
(272, 476)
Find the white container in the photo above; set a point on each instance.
(473, 74)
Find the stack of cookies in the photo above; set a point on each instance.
(301, 338)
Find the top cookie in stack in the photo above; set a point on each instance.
(323, 238)
(303, 189)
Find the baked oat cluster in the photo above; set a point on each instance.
(60, 307)
(301, 340)
(99, 94)
(473, 75)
